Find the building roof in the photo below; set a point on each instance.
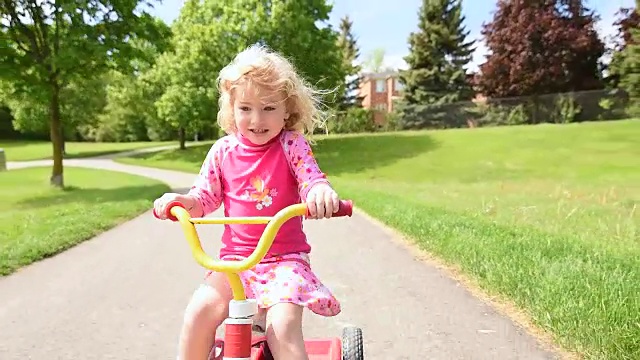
(380, 75)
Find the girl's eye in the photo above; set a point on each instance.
(244, 108)
(269, 108)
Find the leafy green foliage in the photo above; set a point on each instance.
(292, 29)
(353, 120)
(124, 116)
(628, 70)
(7, 130)
(625, 63)
(374, 61)
(81, 101)
(48, 45)
(208, 34)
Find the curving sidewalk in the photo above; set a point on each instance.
(121, 294)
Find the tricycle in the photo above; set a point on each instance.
(240, 342)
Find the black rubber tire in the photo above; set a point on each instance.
(352, 344)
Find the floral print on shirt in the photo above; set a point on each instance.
(262, 195)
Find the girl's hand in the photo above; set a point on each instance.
(322, 201)
(160, 204)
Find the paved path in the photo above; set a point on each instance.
(121, 294)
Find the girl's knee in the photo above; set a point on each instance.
(284, 332)
(207, 306)
(285, 320)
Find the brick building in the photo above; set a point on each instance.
(378, 90)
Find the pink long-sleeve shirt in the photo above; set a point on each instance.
(258, 180)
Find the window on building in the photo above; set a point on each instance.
(380, 107)
(381, 85)
(398, 84)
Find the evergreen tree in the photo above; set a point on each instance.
(628, 19)
(436, 77)
(625, 65)
(350, 52)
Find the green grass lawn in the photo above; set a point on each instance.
(39, 150)
(37, 221)
(543, 216)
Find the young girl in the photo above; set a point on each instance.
(263, 165)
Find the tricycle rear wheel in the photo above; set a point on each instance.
(352, 344)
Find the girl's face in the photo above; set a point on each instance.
(258, 118)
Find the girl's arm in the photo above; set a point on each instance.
(205, 196)
(303, 164)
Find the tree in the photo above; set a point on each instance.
(436, 76)
(374, 61)
(541, 47)
(81, 101)
(7, 130)
(44, 45)
(292, 28)
(625, 65)
(584, 59)
(129, 108)
(350, 53)
(125, 113)
(628, 19)
(209, 33)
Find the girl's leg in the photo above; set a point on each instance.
(284, 332)
(208, 308)
(260, 320)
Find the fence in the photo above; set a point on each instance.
(549, 108)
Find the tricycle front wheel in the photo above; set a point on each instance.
(352, 344)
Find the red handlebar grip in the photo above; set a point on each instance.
(345, 209)
(168, 211)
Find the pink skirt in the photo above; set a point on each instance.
(287, 279)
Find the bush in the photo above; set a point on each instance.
(567, 109)
(434, 116)
(353, 120)
(391, 122)
(552, 108)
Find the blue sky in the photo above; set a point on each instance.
(387, 24)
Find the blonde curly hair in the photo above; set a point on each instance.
(272, 73)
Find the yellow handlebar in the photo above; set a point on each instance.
(233, 268)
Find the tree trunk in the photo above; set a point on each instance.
(182, 136)
(55, 129)
(62, 140)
